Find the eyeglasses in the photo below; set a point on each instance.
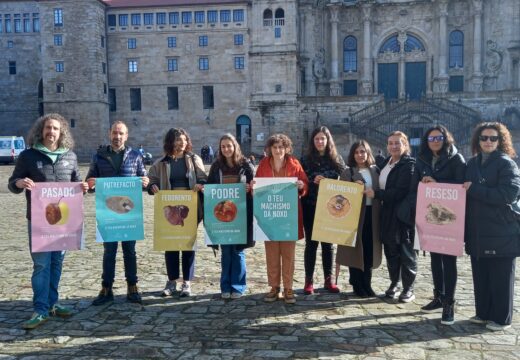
(438, 138)
(486, 138)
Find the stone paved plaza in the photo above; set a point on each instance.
(326, 326)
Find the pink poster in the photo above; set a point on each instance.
(439, 219)
(56, 216)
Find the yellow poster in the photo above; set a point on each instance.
(175, 220)
(337, 212)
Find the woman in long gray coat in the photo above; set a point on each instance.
(366, 255)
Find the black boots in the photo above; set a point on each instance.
(448, 312)
(435, 304)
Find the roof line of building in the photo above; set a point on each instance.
(157, 3)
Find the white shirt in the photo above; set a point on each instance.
(365, 172)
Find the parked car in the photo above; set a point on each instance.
(10, 148)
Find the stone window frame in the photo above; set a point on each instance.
(238, 15)
(350, 52)
(172, 64)
(238, 39)
(132, 43)
(239, 62)
(148, 18)
(225, 16)
(200, 17)
(203, 40)
(456, 49)
(133, 65)
(12, 67)
(186, 17)
(172, 41)
(58, 17)
(160, 18)
(122, 20)
(60, 88)
(173, 18)
(204, 63)
(135, 19)
(212, 16)
(58, 39)
(59, 66)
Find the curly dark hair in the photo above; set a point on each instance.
(278, 138)
(237, 159)
(446, 144)
(505, 142)
(172, 135)
(330, 150)
(351, 161)
(36, 133)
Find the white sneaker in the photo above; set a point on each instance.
(225, 295)
(491, 325)
(170, 288)
(236, 295)
(185, 289)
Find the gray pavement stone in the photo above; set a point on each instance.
(326, 326)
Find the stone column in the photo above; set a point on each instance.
(366, 79)
(402, 66)
(442, 77)
(335, 86)
(478, 77)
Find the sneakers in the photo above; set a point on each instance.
(35, 321)
(225, 295)
(330, 286)
(60, 311)
(236, 295)
(185, 289)
(105, 295)
(448, 313)
(170, 288)
(477, 320)
(272, 295)
(392, 291)
(433, 305)
(491, 325)
(289, 297)
(308, 289)
(407, 296)
(133, 295)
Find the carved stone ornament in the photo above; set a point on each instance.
(494, 57)
(318, 65)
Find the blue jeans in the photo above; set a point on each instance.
(233, 276)
(109, 262)
(45, 277)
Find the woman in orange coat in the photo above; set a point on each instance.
(280, 254)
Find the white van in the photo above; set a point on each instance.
(10, 148)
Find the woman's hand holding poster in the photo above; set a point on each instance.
(275, 209)
(337, 212)
(439, 219)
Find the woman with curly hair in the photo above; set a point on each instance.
(492, 233)
(280, 254)
(322, 161)
(179, 169)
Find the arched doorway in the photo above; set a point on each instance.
(244, 133)
(401, 67)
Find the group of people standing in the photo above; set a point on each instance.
(492, 236)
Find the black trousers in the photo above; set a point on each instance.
(401, 261)
(172, 264)
(494, 288)
(363, 278)
(444, 273)
(311, 247)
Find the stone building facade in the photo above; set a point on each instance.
(253, 68)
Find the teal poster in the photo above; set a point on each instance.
(275, 209)
(119, 209)
(225, 214)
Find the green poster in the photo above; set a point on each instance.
(225, 214)
(275, 209)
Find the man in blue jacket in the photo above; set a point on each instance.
(117, 160)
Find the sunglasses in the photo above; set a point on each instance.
(438, 138)
(486, 138)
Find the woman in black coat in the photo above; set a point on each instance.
(397, 234)
(439, 161)
(232, 167)
(492, 233)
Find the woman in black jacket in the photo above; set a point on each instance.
(492, 233)
(322, 161)
(439, 161)
(232, 167)
(396, 234)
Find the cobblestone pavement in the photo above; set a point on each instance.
(328, 326)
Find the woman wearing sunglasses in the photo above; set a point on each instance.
(492, 232)
(439, 161)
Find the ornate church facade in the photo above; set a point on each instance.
(253, 68)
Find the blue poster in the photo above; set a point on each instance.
(225, 214)
(275, 209)
(119, 209)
